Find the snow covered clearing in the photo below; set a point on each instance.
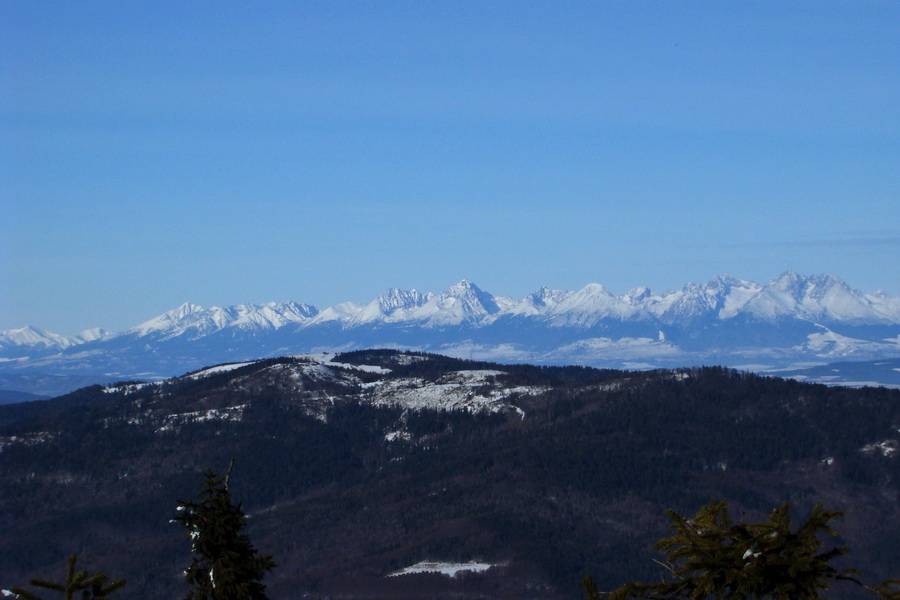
(443, 568)
(128, 388)
(471, 391)
(393, 436)
(218, 369)
(231, 413)
(327, 359)
(28, 439)
(886, 448)
(829, 344)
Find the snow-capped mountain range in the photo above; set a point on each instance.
(789, 320)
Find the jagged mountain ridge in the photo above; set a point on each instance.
(790, 319)
(824, 298)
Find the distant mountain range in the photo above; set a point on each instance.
(793, 321)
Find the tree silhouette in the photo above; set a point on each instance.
(225, 565)
(710, 556)
(93, 587)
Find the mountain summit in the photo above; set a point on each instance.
(463, 303)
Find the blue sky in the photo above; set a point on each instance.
(224, 152)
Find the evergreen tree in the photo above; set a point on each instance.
(93, 587)
(225, 565)
(889, 590)
(710, 556)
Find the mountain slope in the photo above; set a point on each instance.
(359, 466)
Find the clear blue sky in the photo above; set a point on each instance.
(153, 153)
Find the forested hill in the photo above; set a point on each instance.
(356, 466)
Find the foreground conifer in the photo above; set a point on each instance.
(710, 556)
(225, 565)
(92, 587)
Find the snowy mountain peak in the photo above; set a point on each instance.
(537, 302)
(184, 310)
(721, 297)
(546, 297)
(731, 294)
(725, 284)
(344, 312)
(168, 321)
(637, 296)
(793, 288)
(463, 287)
(533, 304)
(719, 313)
(591, 304)
(463, 303)
(816, 298)
(31, 336)
(594, 289)
(789, 283)
(470, 294)
(395, 299)
(267, 316)
(199, 321)
(692, 303)
(392, 305)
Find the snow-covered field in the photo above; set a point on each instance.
(443, 568)
(232, 413)
(218, 369)
(471, 391)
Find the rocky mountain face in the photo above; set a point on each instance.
(383, 474)
(790, 321)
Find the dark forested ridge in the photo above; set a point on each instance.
(356, 467)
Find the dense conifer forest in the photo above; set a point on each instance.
(571, 477)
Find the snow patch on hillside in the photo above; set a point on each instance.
(27, 439)
(128, 388)
(443, 568)
(471, 391)
(327, 359)
(174, 421)
(886, 448)
(218, 369)
(828, 344)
